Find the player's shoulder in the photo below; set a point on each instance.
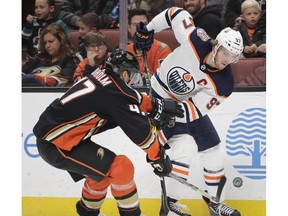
(223, 81)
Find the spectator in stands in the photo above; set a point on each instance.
(158, 51)
(253, 29)
(206, 17)
(155, 7)
(96, 46)
(56, 62)
(34, 24)
(232, 16)
(89, 22)
(111, 15)
(72, 10)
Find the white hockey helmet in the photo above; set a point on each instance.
(230, 40)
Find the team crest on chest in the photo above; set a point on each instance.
(180, 81)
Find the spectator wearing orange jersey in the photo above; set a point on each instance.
(96, 48)
(158, 51)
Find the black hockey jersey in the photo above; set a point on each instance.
(94, 104)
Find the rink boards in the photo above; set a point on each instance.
(241, 123)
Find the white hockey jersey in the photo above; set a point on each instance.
(183, 75)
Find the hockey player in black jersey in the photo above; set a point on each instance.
(96, 103)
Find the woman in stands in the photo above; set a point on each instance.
(56, 62)
(44, 16)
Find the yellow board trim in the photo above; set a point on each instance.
(54, 206)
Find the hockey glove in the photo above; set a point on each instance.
(163, 166)
(143, 39)
(166, 109)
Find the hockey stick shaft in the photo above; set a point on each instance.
(195, 188)
(164, 205)
(147, 72)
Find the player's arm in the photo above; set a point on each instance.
(178, 19)
(139, 129)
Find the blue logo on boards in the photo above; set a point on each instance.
(246, 136)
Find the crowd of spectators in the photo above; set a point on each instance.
(246, 16)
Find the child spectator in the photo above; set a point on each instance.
(44, 10)
(96, 46)
(158, 51)
(89, 22)
(55, 63)
(252, 29)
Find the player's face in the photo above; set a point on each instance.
(52, 44)
(193, 6)
(251, 16)
(134, 21)
(43, 10)
(224, 57)
(125, 76)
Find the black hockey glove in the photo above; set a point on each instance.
(166, 109)
(143, 39)
(163, 166)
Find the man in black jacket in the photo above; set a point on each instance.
(206, 17)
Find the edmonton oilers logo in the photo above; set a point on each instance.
(180, 81)
(246, 137)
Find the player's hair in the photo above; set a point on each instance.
(136, 12)
(250, 4)
(91, 20)
(97, 38)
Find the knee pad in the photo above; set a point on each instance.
(213, 158)
(183, 148)
(121, 170)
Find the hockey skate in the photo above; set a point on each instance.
(220, 209)
(173, 208)
(85, 212)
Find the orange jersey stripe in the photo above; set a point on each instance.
(180, 171)
(67, 135)
(213, 177)
(192, 108)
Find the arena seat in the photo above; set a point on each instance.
(249, 72)
(113, 38)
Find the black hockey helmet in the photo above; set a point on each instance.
(121, 60)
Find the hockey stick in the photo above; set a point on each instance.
(204, 193)
(164, 203)
(147, 72)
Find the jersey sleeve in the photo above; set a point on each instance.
(137, 126)
(176, 18)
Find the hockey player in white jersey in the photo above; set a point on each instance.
(198, 74)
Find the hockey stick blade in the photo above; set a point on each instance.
(222, 182)
(195, 188)
(164, 205)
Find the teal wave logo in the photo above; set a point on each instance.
(246, 136)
